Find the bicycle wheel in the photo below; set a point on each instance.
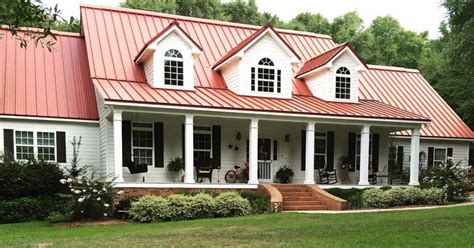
(230, 176)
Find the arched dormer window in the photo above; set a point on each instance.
(265, 77)
(343, 83)
(174, 69)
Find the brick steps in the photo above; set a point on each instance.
(299, 197)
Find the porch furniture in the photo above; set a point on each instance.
(203, 169)
(373, 178)
(136, 168)
(327, 177)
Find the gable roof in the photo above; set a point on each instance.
(114, 35)
(325, 57)
(172, 25)
(248, 41)
(38, 83)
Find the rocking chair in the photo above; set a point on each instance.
(327, 177)
(204, 167)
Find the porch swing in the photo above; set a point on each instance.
(133, 167)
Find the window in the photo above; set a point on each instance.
(202, 142)
(440, 156)
(142, 143)
(320, 150)
(46, 146)
(174, 68)
(267, 76)
(24, 142)
(29, 143)
(343, 83)
(358, 152)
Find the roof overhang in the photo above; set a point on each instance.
(239, 53)
(173, 27)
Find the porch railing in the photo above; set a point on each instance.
(265, 170)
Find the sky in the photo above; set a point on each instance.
(415, 15)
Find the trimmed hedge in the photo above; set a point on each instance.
(258, 201)
(187, 207)
(378, 198)
(29, 208)
(353, 196)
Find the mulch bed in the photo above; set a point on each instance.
(85, 223)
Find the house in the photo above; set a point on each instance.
(147, 87)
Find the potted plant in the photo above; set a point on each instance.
(176, 165)
(345, 164)
(284, 174)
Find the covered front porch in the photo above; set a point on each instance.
(264, 142)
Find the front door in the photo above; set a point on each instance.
(265, 173)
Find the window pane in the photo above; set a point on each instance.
(440, 154)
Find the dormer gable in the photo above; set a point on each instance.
(333, 75)
(261, 65)
(168, 58)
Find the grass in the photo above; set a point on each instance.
(445, 227)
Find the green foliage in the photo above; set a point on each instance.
(175, 165)
(284, 174)
(450, 177)
(230, 204)
(29, 208)
(126, 203)
(432, 196)
(76, 169)
(150, 209)
(353, 196)
(163, 6)
(57, 217)
(29, 178)
(378, 198)
(258, 202)
(203, 206)
(181, 207)
(346, 27)
(306, 21)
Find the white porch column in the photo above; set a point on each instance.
(118, 163)
(189, 149)
(364, 155)
(309, 159)
(253, 152)
(414, 156)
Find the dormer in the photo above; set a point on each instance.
(334, 75)
(260, 65)
(168, 58)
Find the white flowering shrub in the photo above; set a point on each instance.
(92, 196)
(449, 177)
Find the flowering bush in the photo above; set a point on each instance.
(378, 198)
(284, 174)
(92, 196)
(450, 178)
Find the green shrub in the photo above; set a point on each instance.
(180, 207)
(232, 204)
(397, 196)
(353, 196)
(150, 209)
(29, 208)
(126, 203)
(29, 178)
(385, 188)
(203, 206)
(57, 217)
(413, 196)
(258, 202)
(432, 196)
(376, 198)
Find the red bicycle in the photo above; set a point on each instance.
(238, 174)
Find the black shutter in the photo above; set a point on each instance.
(216, 146)
(430, 156)
(275, 150)
(303, 150)
(330, 151)
(375, 152)
(182, 141)
(8, 142)
(352, 150)
(126, 142)
(400, 158)
(61, 146)
(247, 150)
(159, 144)
(450, 153)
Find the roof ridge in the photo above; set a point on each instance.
(202, 20)
(38, 30)
(392, 68)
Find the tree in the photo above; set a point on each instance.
(306, 21)
(242, 12)
(164, 6)
(209, 9)
(30, 13)
(346, 27)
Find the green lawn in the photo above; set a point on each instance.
(447, 227)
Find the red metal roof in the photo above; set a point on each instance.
(36, 82)
(115, 35)
(248, 40)
(162, 32)
(124, 91)
(324, 58)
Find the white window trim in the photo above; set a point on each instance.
(275, 80)
(35, 143)
(165, 58)
(445, 154)
(325, 138)
(203, 132)
(152, 129)
(349, 76)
